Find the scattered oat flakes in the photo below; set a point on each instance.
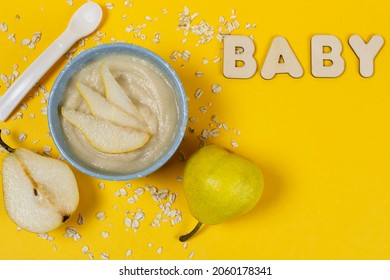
(101, 185)
(85, 249)
(3, 27)
(24, 106)
(25, 42)
(121, 192)
(101, 215)
(179, 178)
(216, 59)
(5, 131)
(193, 119)
(129, 253)
(105, 256)
(22, 137)
(139, 191)
(216, 88)
(198, 74)
(71, 232)
(191, 255)
(109, 6)
(181, 156)
(198, 93)
(234, 143)
(128, 3)
(105, 234)
(44, 110)
(4, 78)
(12, 37)
(133, 199)
(45, 236)
(157, 38)
(127, 221)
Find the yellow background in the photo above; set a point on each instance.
(322, 144)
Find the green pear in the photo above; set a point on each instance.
(220, 185)
(40, 193)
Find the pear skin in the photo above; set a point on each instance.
(220, 185)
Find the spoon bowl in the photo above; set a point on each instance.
(85, 20)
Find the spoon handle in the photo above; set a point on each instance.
(12, 97)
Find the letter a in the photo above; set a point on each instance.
(319, 57)
(238, 49)
(281, 59)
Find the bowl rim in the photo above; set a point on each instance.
(86, 57)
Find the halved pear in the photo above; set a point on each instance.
(106, 136)
(40, 193)
(115, 93)
(100, 107)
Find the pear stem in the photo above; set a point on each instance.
(187, 236)
(5, 146)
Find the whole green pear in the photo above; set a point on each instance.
(220, 185)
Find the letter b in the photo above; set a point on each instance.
(238, 49)
(319, 57)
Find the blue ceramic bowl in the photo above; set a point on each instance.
(74, 66)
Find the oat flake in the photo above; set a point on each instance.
(3, 27)
(129, 253)
(22, 137)
(216, 88)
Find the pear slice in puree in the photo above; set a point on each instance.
(114, 92)
(104, 135)
(102, 108)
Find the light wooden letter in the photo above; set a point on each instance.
(326, 64)
(238, 60)
(281, 59)
(366, 52)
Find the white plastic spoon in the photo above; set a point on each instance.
(83, 22)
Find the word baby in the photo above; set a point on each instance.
(326, 59)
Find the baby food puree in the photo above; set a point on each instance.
(95, 133)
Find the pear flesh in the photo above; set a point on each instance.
(40, 193)
(115, 125)
(105, 136)
(101, 108)
(115, 94)
(220, 185)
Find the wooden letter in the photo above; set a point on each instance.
(238, 60)
(326, 64)
(281, 59)
(366, 52)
